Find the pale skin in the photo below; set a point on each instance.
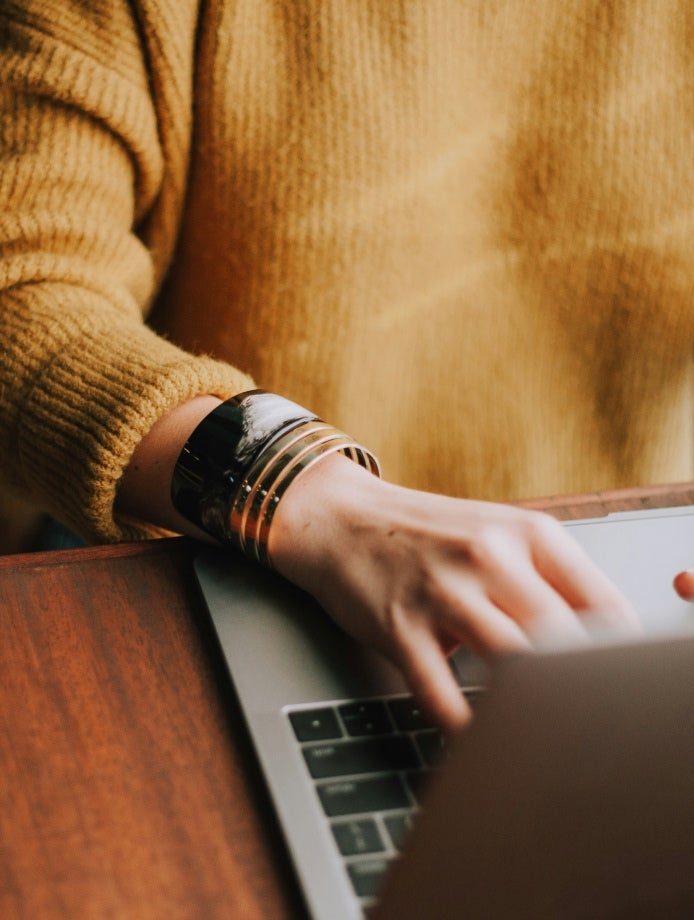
(414, 575)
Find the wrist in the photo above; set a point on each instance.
(242, 458)
(143, 492)
(326, 506)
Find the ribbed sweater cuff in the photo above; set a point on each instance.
(88, 409)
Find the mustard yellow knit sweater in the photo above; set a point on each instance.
(460, 230)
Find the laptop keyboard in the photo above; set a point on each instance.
(369, 761)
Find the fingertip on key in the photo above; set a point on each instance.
(452, 712)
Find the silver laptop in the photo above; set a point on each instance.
(347, 756)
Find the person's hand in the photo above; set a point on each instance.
(416, 575)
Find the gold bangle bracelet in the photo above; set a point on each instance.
(275, 469)
(330, 442)
(246, 511)
(256, 477)
(241, 459)
(349, 449)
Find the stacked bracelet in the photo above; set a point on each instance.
(240, 460)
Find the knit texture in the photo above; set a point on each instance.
(92, 182)
(460, 231)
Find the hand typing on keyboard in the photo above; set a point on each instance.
(417, 575)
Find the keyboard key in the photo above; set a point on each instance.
(431, 745)
(398, 826)
(315, 724)
(368, 717)
(407, 715)
(369, 755)
(350, 797)
(367, 876)
(356, 837)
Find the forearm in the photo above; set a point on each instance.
(144, 492)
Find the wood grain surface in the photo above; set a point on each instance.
(596, 504)
(127, 786)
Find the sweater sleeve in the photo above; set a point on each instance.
(82, 167)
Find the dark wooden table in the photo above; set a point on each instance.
(127, 781)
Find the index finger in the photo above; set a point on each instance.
(572, 573)
(428, 673)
